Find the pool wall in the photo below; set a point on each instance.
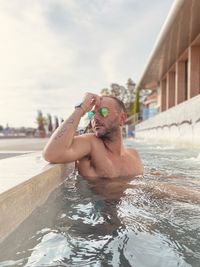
(25, 183)
(179, 124)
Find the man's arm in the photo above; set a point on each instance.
(63, 145)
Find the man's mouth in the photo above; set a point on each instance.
(97, 126)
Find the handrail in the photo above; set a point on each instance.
(133, 119)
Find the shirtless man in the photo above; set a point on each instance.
(100, 154)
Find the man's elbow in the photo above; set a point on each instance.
(49, 156)
(52, 157)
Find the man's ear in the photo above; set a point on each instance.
(123, 117)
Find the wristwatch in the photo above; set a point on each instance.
(79, 105)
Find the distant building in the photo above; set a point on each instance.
(150, 105)
(173, 75)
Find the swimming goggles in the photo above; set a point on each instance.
(102, 111)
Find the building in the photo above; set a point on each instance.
(150, 105)
(173, 71)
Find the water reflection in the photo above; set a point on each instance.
(149, 221)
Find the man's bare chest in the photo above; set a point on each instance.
(110, 167)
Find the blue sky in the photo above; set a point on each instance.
(53, 51)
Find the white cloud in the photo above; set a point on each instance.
(53, 51)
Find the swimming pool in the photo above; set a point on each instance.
(151, 221)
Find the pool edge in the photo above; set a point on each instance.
(17, 203)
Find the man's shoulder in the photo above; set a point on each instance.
(134, 155)
(86, 135)
(96, 144)
(91, 137)
(132, 152)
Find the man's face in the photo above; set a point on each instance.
(105, 127)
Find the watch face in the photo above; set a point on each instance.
(79, 105)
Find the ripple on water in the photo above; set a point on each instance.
(148, 225)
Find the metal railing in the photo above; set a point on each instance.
(134, 119)
(149, 112)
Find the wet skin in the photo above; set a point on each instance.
(108, 157)
(100, 154)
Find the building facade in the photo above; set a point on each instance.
(174, 72)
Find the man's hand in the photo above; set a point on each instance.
(90, 100)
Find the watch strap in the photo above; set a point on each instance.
(80, 105)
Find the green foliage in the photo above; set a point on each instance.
(131, 110)
(126, 94)
(41, 120)
(136, 103)
(105, 91)
(49, 122)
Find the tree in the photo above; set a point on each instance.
(136, 108)
(126, 94)
(56, 123)
(105, 91)
(50, 126)
(41, 121)
(131, 90)
(118, 91)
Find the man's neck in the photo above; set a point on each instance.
(115, 143)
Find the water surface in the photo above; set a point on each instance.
(152, 221)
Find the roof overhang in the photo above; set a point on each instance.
(180, 30)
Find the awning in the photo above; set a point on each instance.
(182, 27)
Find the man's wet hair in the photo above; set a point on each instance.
(120, 104)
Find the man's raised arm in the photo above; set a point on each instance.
(63, 146)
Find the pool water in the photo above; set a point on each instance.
(150, 221)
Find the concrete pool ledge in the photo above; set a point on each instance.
(25, 183)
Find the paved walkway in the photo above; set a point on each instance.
(11, 147)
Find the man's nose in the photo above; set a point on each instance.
(96, 117)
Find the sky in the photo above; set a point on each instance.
(54, 51)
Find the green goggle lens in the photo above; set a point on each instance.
(90, 115)
(102, 111)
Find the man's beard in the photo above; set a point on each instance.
(107, 134)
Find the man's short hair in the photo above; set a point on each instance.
(120, 104)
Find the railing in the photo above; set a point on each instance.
(129, 127)
(149, 112)
(134, 119)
